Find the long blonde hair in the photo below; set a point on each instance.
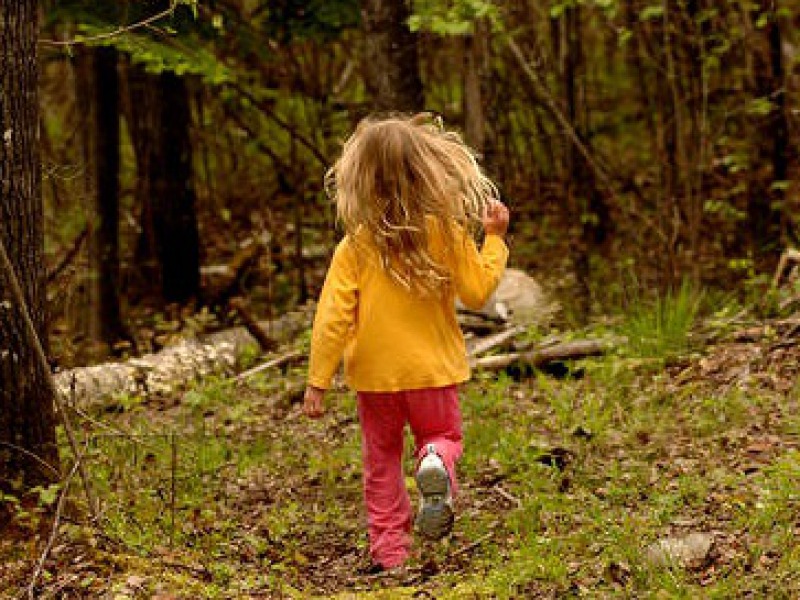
(397, 177)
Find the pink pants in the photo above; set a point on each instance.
(435, 418)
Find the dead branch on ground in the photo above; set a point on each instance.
(539, 357)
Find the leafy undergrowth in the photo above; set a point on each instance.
(227, 493)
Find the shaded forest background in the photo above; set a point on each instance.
(638, 143)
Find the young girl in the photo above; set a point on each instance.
(407, 193)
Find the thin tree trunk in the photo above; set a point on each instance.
(168, 253)
(474, 65)
(175, 217)
(105, 319)
(780, 125)
(27, 419)
(764, 209)
(391, 60)
(587, 203)
(143, 125)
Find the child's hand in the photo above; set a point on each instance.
(495, 219)
(313, 402)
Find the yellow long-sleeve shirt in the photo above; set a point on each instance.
(392, 339)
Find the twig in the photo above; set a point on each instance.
(36, 344)
(275, 362)
(56, 523)
(508, 496)
(788, 258)
(472, 546)
(70, 255)
(119, 31)
(493, 341)
(110, 428)
(172, 495)
(30, 454)
(202, 570)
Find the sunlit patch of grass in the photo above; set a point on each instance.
(660, 328)
(153, 485)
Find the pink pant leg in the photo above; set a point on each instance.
(435, 418)
(383, 417)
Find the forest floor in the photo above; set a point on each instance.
(227, 491)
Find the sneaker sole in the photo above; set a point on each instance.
(435, 518)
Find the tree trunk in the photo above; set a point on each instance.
(391, 59)
(168, 253)
(585, 201)
(764, 209)
(175, 217)
(780, 124)
(27, 420)
(143, 123)
(474, 65)
(105, 320)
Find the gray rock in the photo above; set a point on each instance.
(519, 299)
(691, 551)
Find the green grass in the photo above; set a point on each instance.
(659, 328)
(266, 500)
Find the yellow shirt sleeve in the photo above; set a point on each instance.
(335, 316)
(477, 274)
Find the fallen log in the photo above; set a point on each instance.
(541, 356)
(174, 367)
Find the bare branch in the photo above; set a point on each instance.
(111, 34)
(56, 523)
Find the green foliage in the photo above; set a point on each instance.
(651, 12)
(608, 7)
(453, 17)
(158, 57)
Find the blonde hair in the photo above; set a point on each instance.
(399, 176)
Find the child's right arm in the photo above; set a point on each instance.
(335, 317)
(478, 273)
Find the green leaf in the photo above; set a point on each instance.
(760, 107)
(651, 13)
(781, 186)
(48, 495)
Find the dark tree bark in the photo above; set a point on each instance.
(168, 255)
(105, 320)
(764, 209)
(391, 60)
(27, 420)
(585, 201)
(175, 218)
(780, 125)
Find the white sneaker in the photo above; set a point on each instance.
(435, 517)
